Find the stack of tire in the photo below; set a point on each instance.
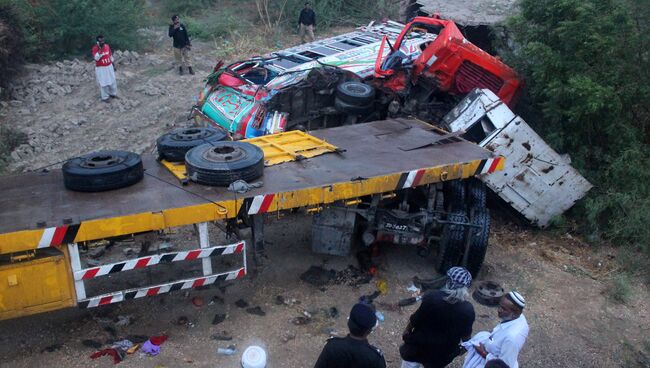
(209, 158)
(465, 202)
(354, 98)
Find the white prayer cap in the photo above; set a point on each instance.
(516, 298)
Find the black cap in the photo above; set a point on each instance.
(363, 316)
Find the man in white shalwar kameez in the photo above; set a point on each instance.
(104, 70)
(506, 339)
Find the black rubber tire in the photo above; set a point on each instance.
(350, 109)
(103, 170)
(476, 193)
(174, 145)
(455, 195)
(246, 162)
(488, 293)
(355, 93)
(452, 243)
(480, 238)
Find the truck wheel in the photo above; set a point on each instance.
(452, 242)
(479, 243)
(355, 93)
(221, 163)
(103, 170)
(174, 145)
(455, 195)
(476, 193)
(350, 109)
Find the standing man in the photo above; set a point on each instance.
(307, 23)
(182, 44)
(104, 70)
(506, 339)
(433, 336)
(353, 351)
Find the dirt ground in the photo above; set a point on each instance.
(471, 12)
(574, 322)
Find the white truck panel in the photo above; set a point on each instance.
(536, 181)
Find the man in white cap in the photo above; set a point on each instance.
(444, 319)
(506, 339)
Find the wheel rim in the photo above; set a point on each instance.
(224, 153)
(192, 134)
(100, 160)
(356, 88)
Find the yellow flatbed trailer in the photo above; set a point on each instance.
(41, 222)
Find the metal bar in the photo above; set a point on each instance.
(142, 262)
(75, 262)
(204, 243)
(119, 296)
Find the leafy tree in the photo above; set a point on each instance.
(586, 63)
(57, 28)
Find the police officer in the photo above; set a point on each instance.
(353, 351)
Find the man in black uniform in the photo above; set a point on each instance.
(182, 44)
(353, 351)
(445, 317)
(307, 23)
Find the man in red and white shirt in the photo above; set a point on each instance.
(104, 70)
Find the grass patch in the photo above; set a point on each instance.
(215, 25)
(621, 289)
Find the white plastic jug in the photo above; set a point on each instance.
(253, 357)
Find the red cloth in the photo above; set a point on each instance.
(112, 352)
(105, 52)
(158, 340)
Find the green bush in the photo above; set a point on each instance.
(340, 12)
(214, 24)
(10, 138)
(58, 28)
(186, 7)
(11, 43)
(586, 64)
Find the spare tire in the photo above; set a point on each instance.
(103, 170)
(174, 145)
(355, 93)
(221, 163)
(350, 109)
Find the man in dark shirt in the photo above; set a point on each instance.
(182, 44)
(445, 317)
(307, 23)
(353, 351)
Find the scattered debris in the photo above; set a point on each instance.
(241, 303)
(222, 336)
(123, 321)
(279, 300)
(298, 321)
(318, 276)
(409, 301)
(230, 350)
(370, 298)
(152, 346)
(288, 336)
(330, 331)
(216, 299)
(352, 276)
(333, 312)
(198, 301)
(218, 318)
(380, 316)
(256, 311)
(92, 344)
(133, 348)
(116, 354)
(138, 339)
(182, 320)
(52, 348)
(388, 306)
